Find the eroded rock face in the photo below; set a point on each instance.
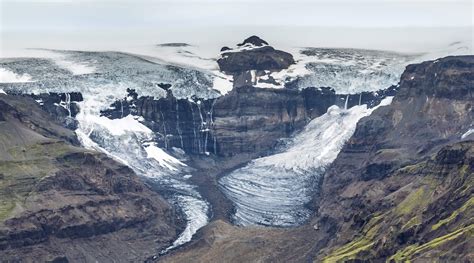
(60, 201)
(261, 58)
(247, 120)
(63, 107)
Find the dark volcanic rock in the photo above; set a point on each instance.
(451, 79)
(62, 107)
(182, 123)
(254, 57)
(255, 41)
(247, 120)
(262, 58)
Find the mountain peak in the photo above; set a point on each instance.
(254, 40)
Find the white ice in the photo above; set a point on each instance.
(7, 76)
(74, 67)
(466, 134)
(162, 157)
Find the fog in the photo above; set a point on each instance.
(407, 26)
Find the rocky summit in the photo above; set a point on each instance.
(251, 59)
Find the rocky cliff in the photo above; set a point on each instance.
(62, 202)
(247, 120)
(404, 161)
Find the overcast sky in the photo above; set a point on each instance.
(51, 23)
(98, 14)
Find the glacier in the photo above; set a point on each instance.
(274, 190)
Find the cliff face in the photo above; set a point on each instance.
(404, 163)
(62, 202)
(247, 120)
(401, 188)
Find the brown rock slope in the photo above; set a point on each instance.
(60, 201)
(401, 189)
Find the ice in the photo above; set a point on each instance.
(162, 157)
(466, 134)
(2, 91)
(119, 127)
(132, 143)
(125, 139)
(74, 67)
(7, 76)
(192, 208)
(351, 71)
(274, 190)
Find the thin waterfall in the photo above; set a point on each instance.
(194, 126)
(67, 103)
(347, 101)
(202, 128)
(215, 145)
(177, 125)
(164, 129)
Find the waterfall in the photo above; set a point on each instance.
(67, 103)
(177, 125)
(164, 129)
(360, 98)
(347, 101)
(121, 108)
(200, 127)
(194, 127)
(215, 145)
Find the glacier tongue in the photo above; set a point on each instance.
(132, 143)
(274, 190)
(102, 78)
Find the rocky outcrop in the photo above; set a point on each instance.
(247, 120)
(251, 59)
(63, 107)
(62, 202)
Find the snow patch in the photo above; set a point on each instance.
(222, 83)
(121, 126)
(162, 157)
